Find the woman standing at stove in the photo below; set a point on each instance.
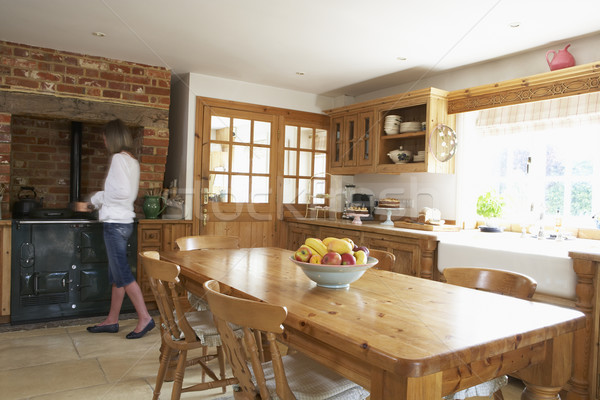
(115, 210)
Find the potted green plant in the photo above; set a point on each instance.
(490, 206)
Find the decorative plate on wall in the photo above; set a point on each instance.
(442, 142)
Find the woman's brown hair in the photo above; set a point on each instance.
(118, 137)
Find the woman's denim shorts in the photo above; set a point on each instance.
(115, 240)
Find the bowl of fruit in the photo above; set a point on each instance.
(333, 263)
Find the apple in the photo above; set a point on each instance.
(363, 248)
(348, 259)
(315, 259)
(303, 254)
(355, 248)
(332, 258)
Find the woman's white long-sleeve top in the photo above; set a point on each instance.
(115, 202)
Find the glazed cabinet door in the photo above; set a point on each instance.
(336, 148)
(366, 132)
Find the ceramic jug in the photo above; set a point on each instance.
(152, 207)
(560, 59)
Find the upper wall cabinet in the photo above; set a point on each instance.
(360, 144)
(351, 142)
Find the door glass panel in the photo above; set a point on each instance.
(219, 157)
(319, 188)
(320, 164)
(289, 190)
(305, 163)
(291, 136)
(303, 191)
(240, 185)
(260, 160)
(217, 187)
(241, 130)
(260, 189)
(289, 167)
(262, 132)
(219, 128)
(320, 139)
(306, 136)
(240, 160)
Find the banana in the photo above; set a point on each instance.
(317, 245)
(327, 240)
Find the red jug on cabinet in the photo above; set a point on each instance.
(560, 59)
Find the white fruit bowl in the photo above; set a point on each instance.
(334, 276)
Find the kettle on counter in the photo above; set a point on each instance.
(560, 59)
(27, 202)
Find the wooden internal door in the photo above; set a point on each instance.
(237, 180)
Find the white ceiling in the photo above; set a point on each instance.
(345, 47)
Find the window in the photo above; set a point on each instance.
(305, 163)
(541, 157)
(240, 154)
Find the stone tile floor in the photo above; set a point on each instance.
(62, 361)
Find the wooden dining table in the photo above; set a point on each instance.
(399, 336)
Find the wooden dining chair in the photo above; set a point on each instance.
(386, 259)
(285, 377)
(496, 281)
(183, 331)
(205, 242)
(208, 242)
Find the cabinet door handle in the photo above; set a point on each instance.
(204, 217)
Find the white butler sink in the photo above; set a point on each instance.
(547, 261)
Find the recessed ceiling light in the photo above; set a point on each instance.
(514, 24)
(99, 34)
(300, 73)
(401, 58)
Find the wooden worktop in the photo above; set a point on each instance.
(367, 226)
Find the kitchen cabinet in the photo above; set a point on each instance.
(406, 250)
(158, 235)
(415, 253)
(298, 233)
(359, 144)
(429, 106)
(351, 142)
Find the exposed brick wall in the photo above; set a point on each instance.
(34, 151)
(40, 70)
(41, 153)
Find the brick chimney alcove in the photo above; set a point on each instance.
(43, 90)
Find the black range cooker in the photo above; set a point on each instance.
(60, 268)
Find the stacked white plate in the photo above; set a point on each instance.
(419, 157)
(410, 127)
(392, 124)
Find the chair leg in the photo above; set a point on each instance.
(165, 358)
(221, 359)
(204, 353)
(498, 395)
(179, 372)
